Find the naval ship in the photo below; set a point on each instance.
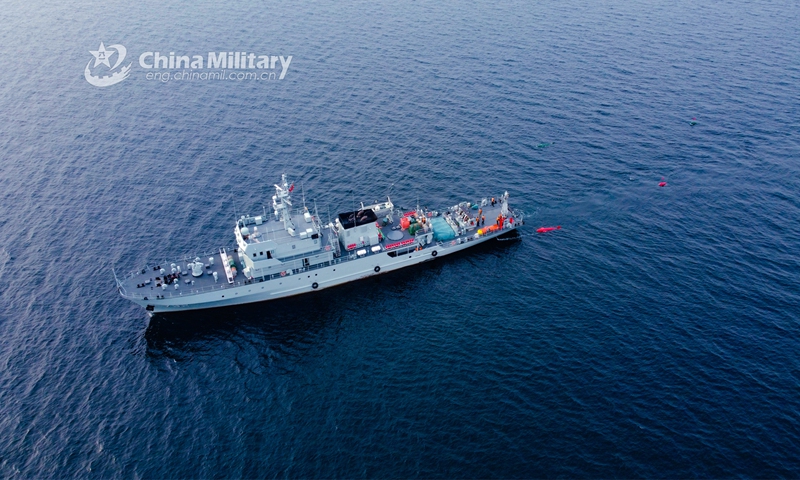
(290, 252)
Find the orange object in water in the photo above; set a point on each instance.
(547, 229)
(662, 184)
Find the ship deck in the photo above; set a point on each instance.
(272, 229)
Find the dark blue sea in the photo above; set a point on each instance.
(657, 334)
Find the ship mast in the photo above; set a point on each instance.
(282, 202)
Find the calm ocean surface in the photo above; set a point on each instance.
(656, 335)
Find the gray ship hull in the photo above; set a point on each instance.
(303, 282)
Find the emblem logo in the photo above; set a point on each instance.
(102, 56)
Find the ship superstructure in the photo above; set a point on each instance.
(289, 252)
